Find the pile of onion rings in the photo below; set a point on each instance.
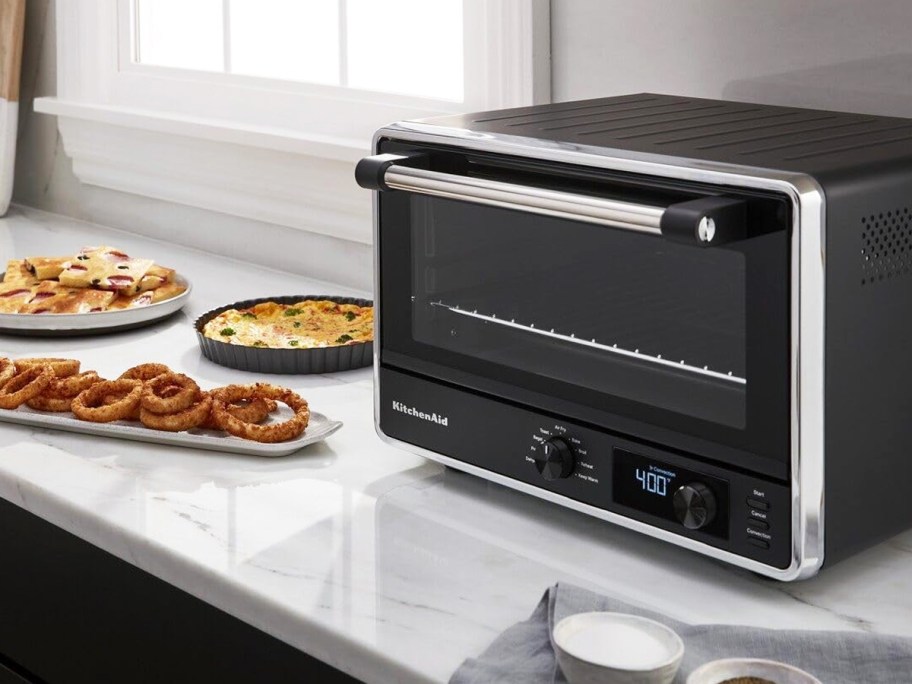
(152, 394)
(91, 404)
(60, 393)
(24, 386)
(279, 432)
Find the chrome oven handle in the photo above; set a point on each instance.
(704, 221)
(625, 215)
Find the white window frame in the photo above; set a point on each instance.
(271, 151)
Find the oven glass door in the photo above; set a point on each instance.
(677, 336)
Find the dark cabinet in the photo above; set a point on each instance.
(73, 613)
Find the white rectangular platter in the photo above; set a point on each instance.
(319, 428)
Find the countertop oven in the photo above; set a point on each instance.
(682, 316)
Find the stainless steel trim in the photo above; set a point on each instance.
(640, 218)
(611, 348)
(807, 343)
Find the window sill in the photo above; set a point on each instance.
(327, 147)
(262, 173)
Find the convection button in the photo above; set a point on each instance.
(759, 505)
(759, 543)
(761, 525)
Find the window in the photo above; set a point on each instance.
(343, 43)
(260, 108)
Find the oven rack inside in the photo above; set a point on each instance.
(591, 342)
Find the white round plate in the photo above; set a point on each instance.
(64, 325)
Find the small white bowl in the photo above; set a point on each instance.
(719, 671)
(603, 648)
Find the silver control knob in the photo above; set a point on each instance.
(694, 505)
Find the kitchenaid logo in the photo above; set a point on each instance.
(415, 413)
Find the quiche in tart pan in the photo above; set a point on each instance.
(293, 335)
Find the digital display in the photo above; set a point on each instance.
(648, 485)
(655, 481)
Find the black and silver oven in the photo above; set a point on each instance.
(687, 317)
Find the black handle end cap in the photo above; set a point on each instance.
(705, 222)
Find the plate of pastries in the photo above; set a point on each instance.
(150, 402)
(98, 289)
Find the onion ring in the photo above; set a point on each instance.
(89, 404)
(7, 370)
(62, 368)
(53, 404)
(114, 398)
(278, 432)
(155, 393)
(67, 388)
(27, 385)
(144, 371)
(189, 418)
(255, 410)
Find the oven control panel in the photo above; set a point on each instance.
(729, 509)
(693, 499)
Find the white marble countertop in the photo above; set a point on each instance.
(374, 560)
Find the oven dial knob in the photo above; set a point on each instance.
(694, 505)
(554, 459)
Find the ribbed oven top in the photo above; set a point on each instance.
(785, 138)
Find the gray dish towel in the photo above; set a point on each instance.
(523, 654)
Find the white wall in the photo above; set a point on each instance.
(843, 54)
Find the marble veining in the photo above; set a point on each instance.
(377, 561)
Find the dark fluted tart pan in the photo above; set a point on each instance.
(285, 361)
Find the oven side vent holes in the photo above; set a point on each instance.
(886, 245)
